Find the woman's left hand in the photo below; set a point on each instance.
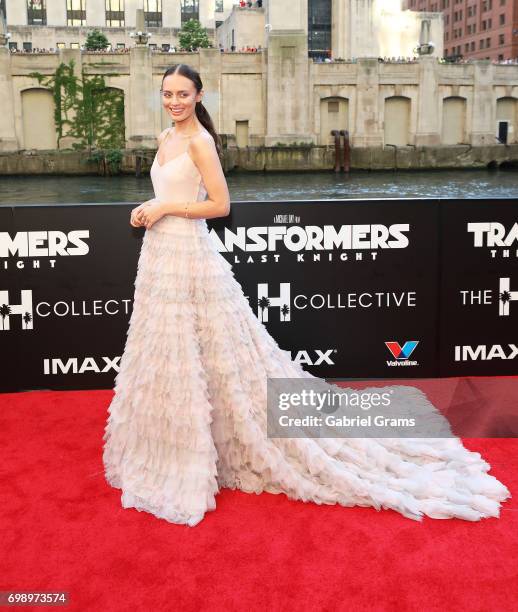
(151, 213)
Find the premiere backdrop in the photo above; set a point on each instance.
(354, 289)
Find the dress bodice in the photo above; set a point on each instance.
(177, 180)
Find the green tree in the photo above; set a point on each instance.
(96, 41)
(85, 108)
(193, 36)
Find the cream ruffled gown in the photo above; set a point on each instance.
(189, 412)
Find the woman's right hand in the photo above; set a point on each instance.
(134, 222)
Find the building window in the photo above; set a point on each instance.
(488, 43)
(76, 12)
(74, 45)
(473, 45)
(13, 46)
(319, 28)
(60, 45)
(219, 6)
(114, 13)
(36, 12)
(481, 43)
(501, 39)
(190, 10)
(502, 19)
(489, 24)
(153, 13)
(500, 57)
(502, 2)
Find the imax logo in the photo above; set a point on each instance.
(485, 352)
(24, 309)
(76, 365)
(314, 358)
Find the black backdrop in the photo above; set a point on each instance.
(369, 288)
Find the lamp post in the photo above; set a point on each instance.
(425, 46)
(4, 34)
(140, 36)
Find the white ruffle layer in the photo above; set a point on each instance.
(189, 412)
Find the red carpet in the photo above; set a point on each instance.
(64, 529)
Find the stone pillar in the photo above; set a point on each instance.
(484, 111)
(142, 100)
(206, 13)
(210, 72)
(130, 12)
(368, 131)
(8, 140)
(171, 15)
(339, 28)
(287, 105)
(427, 130)
(95, 13)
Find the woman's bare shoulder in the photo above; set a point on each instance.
(162, 135)
(203, 142)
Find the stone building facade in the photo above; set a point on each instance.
(280, 98)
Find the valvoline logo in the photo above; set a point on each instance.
(404, 352)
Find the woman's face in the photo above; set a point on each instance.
(179, 97)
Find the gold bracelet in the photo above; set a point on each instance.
(186, 204)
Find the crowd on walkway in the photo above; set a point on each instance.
(410, 60)
(258, 49)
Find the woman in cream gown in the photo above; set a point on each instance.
(188, 416)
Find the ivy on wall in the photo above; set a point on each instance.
(87, 111)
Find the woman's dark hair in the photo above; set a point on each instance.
(201, 111)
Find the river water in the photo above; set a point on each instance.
(268, 186)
